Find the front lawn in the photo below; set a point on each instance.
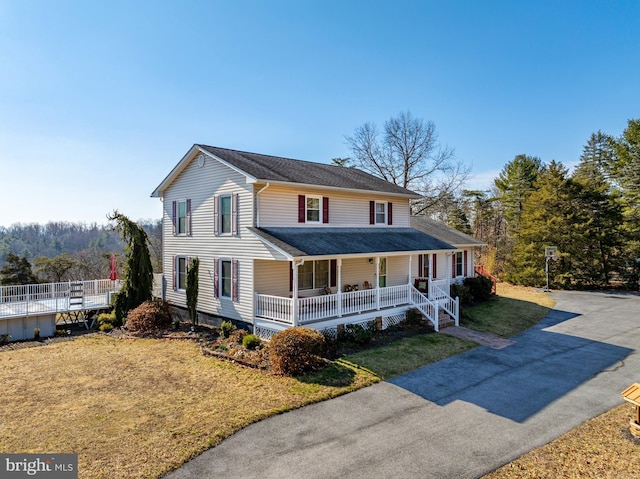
(140, 408)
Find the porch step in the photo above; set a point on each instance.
(444, 321)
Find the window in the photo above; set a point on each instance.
(225, 214)
(426, 263)
(313, 274)
(181, 217)
(458, 269)
(181, 272)
(313, 209)
(305, 275)
(382, 273)
(225, 278)
(381, 213)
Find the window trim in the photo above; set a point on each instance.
(221, 278)
(306, 209)
(222, 215)
(179, 275)
(376, 213)
(459, 265)
(425, 264)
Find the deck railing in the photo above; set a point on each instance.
(54, 297)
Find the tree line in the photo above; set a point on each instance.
(591, 214)
(61, 251)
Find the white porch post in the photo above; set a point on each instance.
(294, 295)
(377, 282)
(448, 260)
(409, 281)
(339, 292)
(430, 259)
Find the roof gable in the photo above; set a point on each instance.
(259, 167)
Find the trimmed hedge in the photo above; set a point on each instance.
(296, 351)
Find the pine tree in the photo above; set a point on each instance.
(192, 289)
(137, 284)
(547, 220)
(17, 271)
(599, 215)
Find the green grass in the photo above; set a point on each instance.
(409, 353)
(513, 310)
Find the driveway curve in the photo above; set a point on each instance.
(461, 417)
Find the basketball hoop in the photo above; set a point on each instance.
(550, 253)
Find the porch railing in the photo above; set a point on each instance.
(317, 308)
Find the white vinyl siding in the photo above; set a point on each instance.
(279, 207)
(200, 184)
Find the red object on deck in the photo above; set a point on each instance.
(113, 274)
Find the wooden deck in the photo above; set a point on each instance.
(56, 298)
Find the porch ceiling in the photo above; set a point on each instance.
(298, 242)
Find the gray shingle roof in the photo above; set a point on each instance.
(274, 168)
(443, 232)
(345, 241)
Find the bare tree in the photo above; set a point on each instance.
(409, 154)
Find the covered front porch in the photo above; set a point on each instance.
(327, 292)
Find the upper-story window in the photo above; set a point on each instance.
(182, 217)
(225, 214)
(313, 209)
(380, 213)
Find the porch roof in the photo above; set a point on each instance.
(298, 242)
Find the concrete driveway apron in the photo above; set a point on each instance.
(458, 418)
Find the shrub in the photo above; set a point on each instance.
(296, 351)
(251, 341)
(106, 327)
(149, 316)
(357, 333)
(479, 288)
(461, 291)
(36, 334)
(226, 327)
(106, 318)
(4, 338)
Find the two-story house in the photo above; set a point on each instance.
(284, 242)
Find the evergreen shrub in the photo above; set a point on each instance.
(251, 341)
(226, 327)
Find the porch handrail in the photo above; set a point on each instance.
(447, 303)
(427, 307)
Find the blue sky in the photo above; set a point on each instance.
(100, 99)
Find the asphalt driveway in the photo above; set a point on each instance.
(461, 417)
